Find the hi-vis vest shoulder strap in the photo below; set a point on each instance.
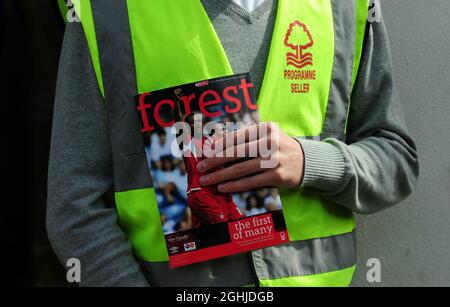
(63, 9)
(139, 46)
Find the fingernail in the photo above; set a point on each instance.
(201, 166)
(221, 188)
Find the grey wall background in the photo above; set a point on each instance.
(412, 240)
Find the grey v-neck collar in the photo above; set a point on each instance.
(250, 17)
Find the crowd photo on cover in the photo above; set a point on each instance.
(182, 202)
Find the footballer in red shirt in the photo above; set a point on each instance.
(207, 204)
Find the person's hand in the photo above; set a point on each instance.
(271, 159)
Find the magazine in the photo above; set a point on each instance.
(201, 223)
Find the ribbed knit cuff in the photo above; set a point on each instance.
(324, 165)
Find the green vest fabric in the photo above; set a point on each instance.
(312, 66)
(63, 8)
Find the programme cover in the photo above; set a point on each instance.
(200, 223)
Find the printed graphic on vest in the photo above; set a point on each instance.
(200, 223)
(299, 40)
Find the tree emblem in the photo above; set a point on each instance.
(298, 38)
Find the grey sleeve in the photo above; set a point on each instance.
(377, 166)
(80, 173)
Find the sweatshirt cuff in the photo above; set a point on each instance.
(324, 165)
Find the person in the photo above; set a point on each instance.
(208, 205)
(254, 205)
(160, 146)
(320, 70)
(272, 201)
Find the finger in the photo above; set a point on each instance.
(267, 131)
(245, 184)
(240, 136)
(232, 154)
(232, 172)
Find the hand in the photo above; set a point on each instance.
(248, 171)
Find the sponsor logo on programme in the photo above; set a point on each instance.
(189, 246)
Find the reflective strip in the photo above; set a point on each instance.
(361, 25)
(302, 258)
(230, 271)
(129, 159)
(344, 35)
(84, 12)
(318, 262)
(135, 200)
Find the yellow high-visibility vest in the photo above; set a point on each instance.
(140, 46)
